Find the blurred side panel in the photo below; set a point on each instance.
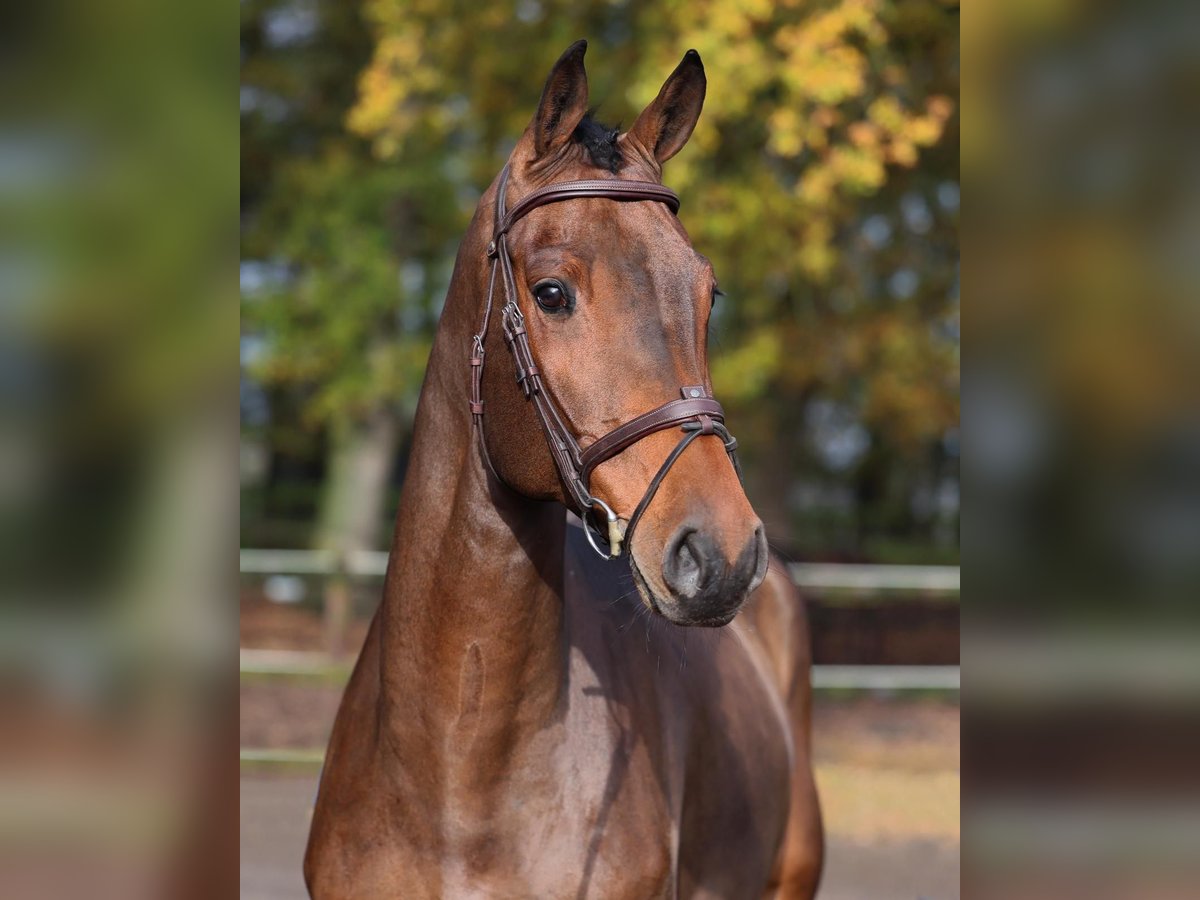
(1082, 449)
(118, 367)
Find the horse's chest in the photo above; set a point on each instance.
(643, 794)
(585, 815)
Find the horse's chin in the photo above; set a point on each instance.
(671, 610)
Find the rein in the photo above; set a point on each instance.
(696, 412)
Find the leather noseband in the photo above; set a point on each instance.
(696, 412)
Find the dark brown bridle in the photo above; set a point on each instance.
(696, 412)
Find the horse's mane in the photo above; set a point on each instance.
(600, 141)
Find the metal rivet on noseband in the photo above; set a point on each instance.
(695, 392)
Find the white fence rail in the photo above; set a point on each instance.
(838, 576)
(815, 577)
(313, 562)
(885, 678)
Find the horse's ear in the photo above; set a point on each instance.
(564, 101)
(666, 124)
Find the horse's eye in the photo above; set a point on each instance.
(550, 296)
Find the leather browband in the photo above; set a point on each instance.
(576, 190)
(697, 413)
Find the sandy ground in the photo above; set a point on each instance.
(888, 778)
(887, 771)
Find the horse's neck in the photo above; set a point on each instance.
(472, 654)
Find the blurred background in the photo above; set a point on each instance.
(118, 331)
(822, 181)
(119, 451)
(1082, 450)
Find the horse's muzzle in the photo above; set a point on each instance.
(706, 586)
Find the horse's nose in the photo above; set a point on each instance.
(699, 573)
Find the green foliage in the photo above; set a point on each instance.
(344, 322)
(348, 319)
(813, 108)
(821, 181)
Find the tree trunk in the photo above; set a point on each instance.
(360, 462)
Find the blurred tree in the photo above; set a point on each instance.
(344, 258)
(822, 181)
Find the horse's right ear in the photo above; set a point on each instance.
(564, 101)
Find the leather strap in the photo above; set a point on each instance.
(697, 413)
(610, 189)
(676, 412)
(694, 430)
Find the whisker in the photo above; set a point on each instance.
(775, 549)
(632, 619)
(781, 567)
(624, 596)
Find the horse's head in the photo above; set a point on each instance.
(616, 303)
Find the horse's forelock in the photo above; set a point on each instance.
(600, 141)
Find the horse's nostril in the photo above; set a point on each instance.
(695, 570)
(685, 563)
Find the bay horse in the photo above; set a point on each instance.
(527, 719)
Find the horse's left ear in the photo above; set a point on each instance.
(666, 124)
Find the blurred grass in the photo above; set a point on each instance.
(888, 769)
(889, 802)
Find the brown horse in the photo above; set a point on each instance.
(526, 721)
